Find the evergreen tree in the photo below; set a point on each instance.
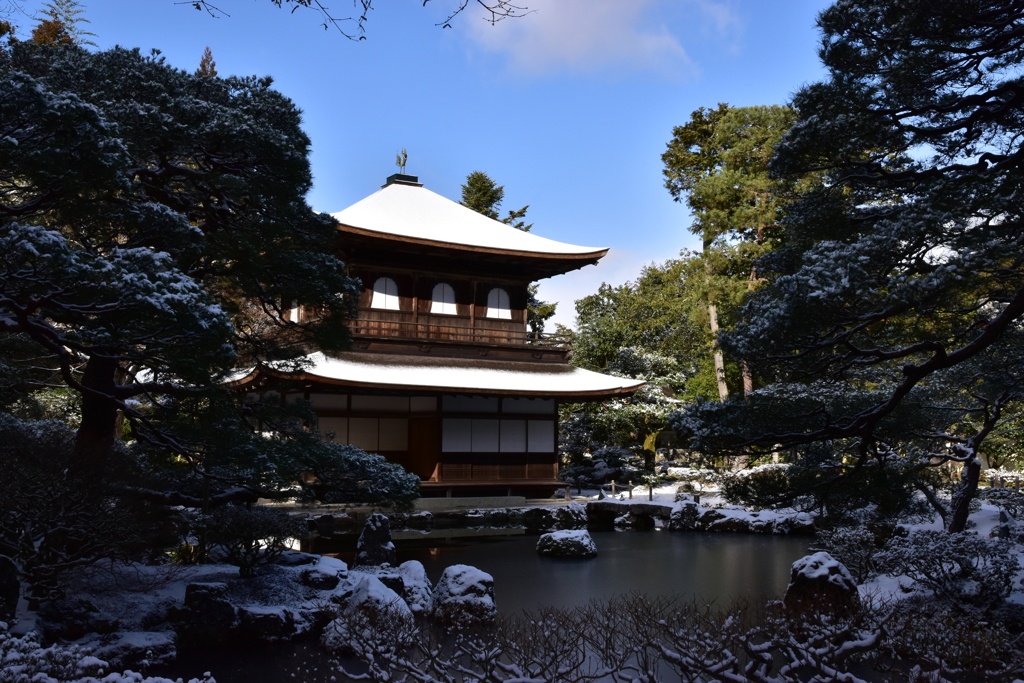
(892, 322)
(153, 233)
(718, 162)
(482, 194)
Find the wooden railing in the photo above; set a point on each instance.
(400, 324)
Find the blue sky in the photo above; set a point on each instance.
(569, 107)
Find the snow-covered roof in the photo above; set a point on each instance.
(391, 371)
(413, 212)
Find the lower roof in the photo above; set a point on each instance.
(449, 375)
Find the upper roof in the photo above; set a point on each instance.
(409, 212)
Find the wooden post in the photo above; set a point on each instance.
(472, 312)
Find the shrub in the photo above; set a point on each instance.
(855, 547)
(761, 486)
(250, 538)
(961, 568)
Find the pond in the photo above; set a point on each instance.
(717, 567)
(712, 567)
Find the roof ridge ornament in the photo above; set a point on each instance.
(400, 160)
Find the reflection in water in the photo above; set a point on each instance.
(714, 567)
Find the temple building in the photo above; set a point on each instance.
(443, 376)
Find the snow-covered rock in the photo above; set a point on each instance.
(539, 519)
(418, 591)
(819, 583)
(132, 649)
(267, 623)
(374, 546)
(568, 543)
(208, 615)
(463, 596)
(370, 605)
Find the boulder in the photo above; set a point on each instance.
(137, 650)
(567, 543)
(685, 516)
(450, 519)
(601, 514)
(208, 616)
(463, 596)
(71, 619)
(370, 606)
(571, 516)
(319, 579)
(266, 623)
(728, 520)
(418, 590)
(10, 588)
(374, 546)
(293, 558)
(538, 519)
(818, 584)
(421, 521)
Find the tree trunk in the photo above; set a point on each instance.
(748, 379)
(963, 495)
(723, 389)
(96, 433)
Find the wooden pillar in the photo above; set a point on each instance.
(416, 303)
(472, 312)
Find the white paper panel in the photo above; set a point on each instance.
(485, 436)
(541, 436)
(456, 435)
(513, 436)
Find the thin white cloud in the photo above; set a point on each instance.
(604, 35)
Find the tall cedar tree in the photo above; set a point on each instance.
(892, 326)
(718, 162)
(153, 231)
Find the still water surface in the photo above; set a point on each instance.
(717, 567)
(714, 567)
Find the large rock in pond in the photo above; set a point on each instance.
(685, 516)
(418, 592)
(372, 607)
(819, 583)
(569, 543)
(463, 596)
(374, 546)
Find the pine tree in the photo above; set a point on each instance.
(892, 322)
(153, 230)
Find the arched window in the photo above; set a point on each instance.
(497, 304)
(385, 294)
(443, 299)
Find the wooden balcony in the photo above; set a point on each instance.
(405, 325)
